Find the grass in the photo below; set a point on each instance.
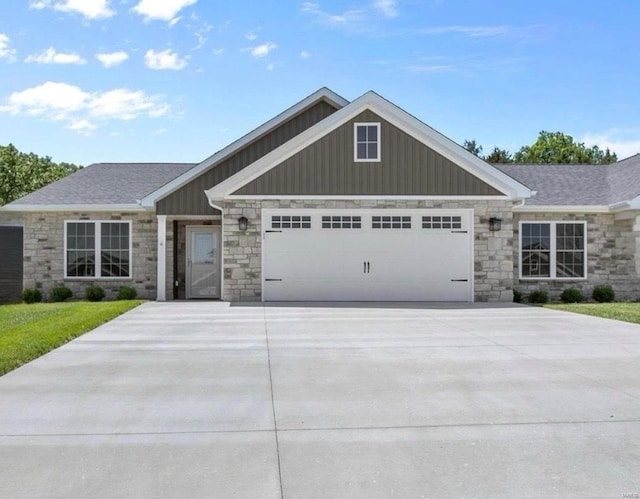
(29, 331)
(628, 312)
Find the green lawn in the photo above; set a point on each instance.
(29, 331)
(628, 312)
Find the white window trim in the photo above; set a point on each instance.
(98, 251)
(552, 251)
(355, 142)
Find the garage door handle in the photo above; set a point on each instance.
(273, 280)
(459, 231)
(459, 280)
(368, 268)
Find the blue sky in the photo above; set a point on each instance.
(175, 80)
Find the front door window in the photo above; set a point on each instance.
(203, 263)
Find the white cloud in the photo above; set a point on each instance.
(271, 67)
(85, 127)
(386, 7)
(251, 36)
(471, 31)
(218, 51)
(79, 109)
(624, 143)
(305, 55)
(347, 17)
(263, 49)
(111, 59)
(162, 10)
(91, 9)
(6, 52)
(164, 60)
(51, 56)
(430, 68)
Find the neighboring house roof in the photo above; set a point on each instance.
(102, 184)
(399, 118)
(579, 185)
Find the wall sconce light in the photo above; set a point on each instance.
(495, 224)
(243, 224)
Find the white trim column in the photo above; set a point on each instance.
(162, 258)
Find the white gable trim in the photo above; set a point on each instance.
(410, 125)
(322, 94)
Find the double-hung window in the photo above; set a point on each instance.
(97, 249)
(553, 250)
(367, 142)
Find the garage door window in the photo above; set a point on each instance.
(341, 222)
(290, 222)
(391, 222)
(553, 250)
(98, 249)
(442, 222)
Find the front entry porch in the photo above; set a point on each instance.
(192, 252)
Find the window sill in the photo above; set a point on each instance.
(81, 279)
(560, 279)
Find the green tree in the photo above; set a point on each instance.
(498, 156)
(559, 148)
(472, 147)
(22, 173)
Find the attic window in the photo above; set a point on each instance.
(366, 142)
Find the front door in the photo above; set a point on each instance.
(203, 262)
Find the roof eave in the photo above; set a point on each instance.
(559, 208)
(72, 207)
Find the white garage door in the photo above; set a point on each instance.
(382, 255)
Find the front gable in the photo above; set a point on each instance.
(407, 167)
(415, 161)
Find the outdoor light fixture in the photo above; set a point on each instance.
(495, 224)
(243, 223)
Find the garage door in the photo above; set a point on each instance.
(10, 264)
(384, 255)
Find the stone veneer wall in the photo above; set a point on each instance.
(44, 253)
(611, 248)
(10, 218)
(493, 254)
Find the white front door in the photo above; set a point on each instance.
(377, 255)
(203, 262)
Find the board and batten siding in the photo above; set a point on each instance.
(407, 167)
(10, 264)
(191, 200)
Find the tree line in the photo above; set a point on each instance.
(549, 148)
(22, 173)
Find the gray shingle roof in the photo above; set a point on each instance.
(576, 185)
(106, 183)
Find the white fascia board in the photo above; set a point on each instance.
(371, 197)
(324, 93)
(72, 207)
(421, 132)
(562, 209)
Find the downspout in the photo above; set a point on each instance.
(219, 208)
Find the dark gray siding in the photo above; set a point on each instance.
(407, 167)
(10, 264)
(191, 200)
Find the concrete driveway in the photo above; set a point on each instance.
(211, 400)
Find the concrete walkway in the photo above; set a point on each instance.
(207, 400)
